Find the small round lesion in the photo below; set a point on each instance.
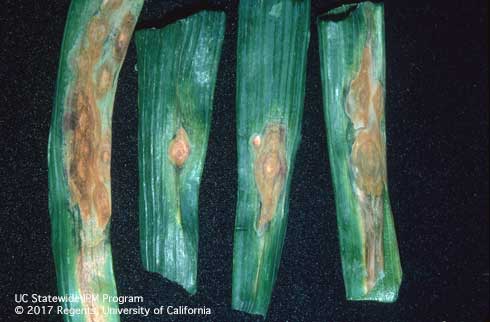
(179, 148)
(123, 36)
(104, 79)
(106, 156)
(256, 140)
(122, 40)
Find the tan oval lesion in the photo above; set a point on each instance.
(123, 36)
(179, 148)
(365, 108)
(270, 169)
(98, 30)
(102, 203)
(104, 79)
(111, 4)
(367, 159)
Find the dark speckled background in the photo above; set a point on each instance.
(437, 128)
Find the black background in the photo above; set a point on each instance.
(437, 130)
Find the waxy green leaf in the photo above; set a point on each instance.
(272, 42)
(177, 68)
(352, 55)
(96, 38)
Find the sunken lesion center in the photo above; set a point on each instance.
(270, 168)
(365, 108)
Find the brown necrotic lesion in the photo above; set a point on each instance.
(89, 150)
(86, 179)
(269, 170)
(123, 36)
(364, 107)
(88, 142)
(179, 148)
